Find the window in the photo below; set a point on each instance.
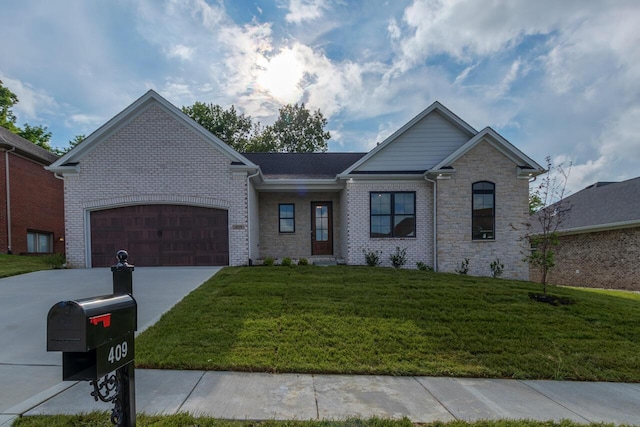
(287, 217)
(39, 242)
(393, 214)
(484, 211)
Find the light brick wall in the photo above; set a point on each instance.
(419, 248)
(153, 158)
(294, 245)
(483, 163)
(604, 259)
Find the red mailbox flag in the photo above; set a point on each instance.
(105, 319)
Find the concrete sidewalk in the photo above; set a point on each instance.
(260, 396)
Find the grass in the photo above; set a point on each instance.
(362, 320)
(98, 419)
(12, 265)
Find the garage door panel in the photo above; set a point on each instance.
(161, 235)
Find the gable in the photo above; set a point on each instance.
(419, 148)
(69, 162)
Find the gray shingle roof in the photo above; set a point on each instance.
(603, 204)
(303, 165)
(26, 148)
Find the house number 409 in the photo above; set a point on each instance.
(118, 352)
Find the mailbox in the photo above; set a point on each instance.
(96, 335)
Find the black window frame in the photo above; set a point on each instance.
(281, 218)
(477, 233)
(392, 215)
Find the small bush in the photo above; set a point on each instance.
(303, 261)
(423, 267)
(268, 261)
(372, 258)
(464, 267)
(286, 262)
(56, 261)
(496, 268)
(399, 258)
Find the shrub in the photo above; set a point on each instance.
(399, 258)
(464, 267)
(286, 262)
(56, 261)
(303, 261)
(496, 268)
(372, 257)
(268, 261)
(423, 267)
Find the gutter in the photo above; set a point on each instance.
(6, 169)
(435, 223)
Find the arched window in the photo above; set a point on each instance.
(483, 222)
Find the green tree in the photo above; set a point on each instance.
(544, 236)
(535, 202)
(72, 143)
(230, 126)
(297, 130)
(38, 134)
(7, 100)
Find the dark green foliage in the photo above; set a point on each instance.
(463, 269)
(372, 258)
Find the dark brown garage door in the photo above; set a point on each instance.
(160, 235)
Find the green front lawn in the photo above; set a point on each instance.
(12, 265)
(364, 320)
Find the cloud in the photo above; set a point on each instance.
(305, 10)
(32, 103)
(181, 51)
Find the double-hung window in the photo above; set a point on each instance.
(392, 214)
(287, 218)
(483, 211)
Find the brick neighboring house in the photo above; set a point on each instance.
(599, 238)
(153, 181)
(31, 199)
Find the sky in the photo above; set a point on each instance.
(558, 78)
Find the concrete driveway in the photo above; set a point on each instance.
(26, 369)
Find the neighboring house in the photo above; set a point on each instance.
(153, 181)
(31, 199)
(599, 238)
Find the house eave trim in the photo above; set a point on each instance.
(299, 184)
(600, 227)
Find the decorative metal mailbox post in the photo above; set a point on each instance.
(96, 338)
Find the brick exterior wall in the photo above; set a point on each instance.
(357, 213)
(294, 245)
(154, 158)
(483, 163)
(36, 204)
(604, 259)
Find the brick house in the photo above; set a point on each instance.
(599, 238)
(155, 182)
(31, 199)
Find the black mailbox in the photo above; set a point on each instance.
(94, 334)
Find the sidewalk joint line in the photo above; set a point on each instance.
(315, 395)
(554, 401)
(435, 398)
(191, 392)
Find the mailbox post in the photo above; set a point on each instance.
(96, 337)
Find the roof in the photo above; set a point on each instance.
(603, 205)
(25, 147)
(303, 165)
(69, 161)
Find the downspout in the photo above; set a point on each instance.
(435, 223)
(249, 215)
(6, 169)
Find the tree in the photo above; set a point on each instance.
(297, 130)
(233, 128)
(543, 236)
(7, 100)
(38, 134)
(72, 143)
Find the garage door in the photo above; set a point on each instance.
(160, 235)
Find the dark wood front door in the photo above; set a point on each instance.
(321, 228)
(160, 235)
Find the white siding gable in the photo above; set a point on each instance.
(419, 148)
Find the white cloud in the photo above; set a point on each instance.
(181, 51)
(32, 102)
(305, 10)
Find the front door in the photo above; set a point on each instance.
(321, 228)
